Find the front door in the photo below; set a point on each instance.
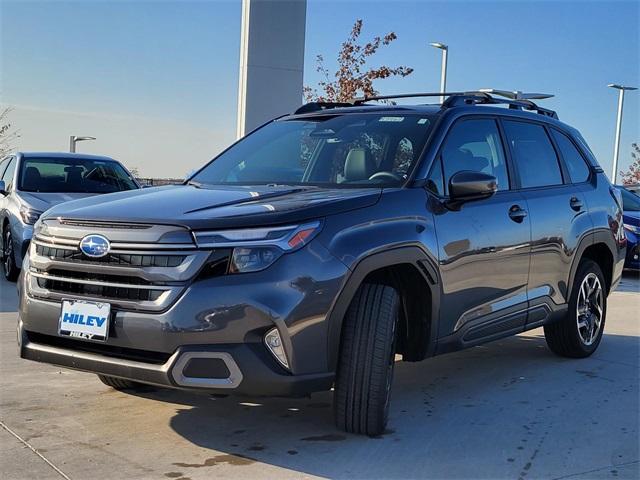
(483, 245)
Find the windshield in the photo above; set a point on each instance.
(330, 150)
(630, 201)
(73, 175)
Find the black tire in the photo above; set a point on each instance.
(366, 361)
(564, 337)
(119, 383)
(11, 271)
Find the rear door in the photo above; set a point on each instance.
(556, 209)
(483, 245)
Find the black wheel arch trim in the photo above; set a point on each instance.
(413, 254)
(588, 240)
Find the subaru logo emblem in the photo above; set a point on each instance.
(95, 246)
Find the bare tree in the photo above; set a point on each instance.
(353, 76)
(632, 175)
(8, 134)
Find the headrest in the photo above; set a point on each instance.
(358, 165)
(32, 178)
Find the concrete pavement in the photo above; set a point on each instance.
(509, 409)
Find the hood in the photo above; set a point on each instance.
(44, 201)
(200, 208)
(631, 218)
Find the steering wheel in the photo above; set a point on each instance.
(386, 176)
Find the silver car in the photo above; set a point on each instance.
(31, 183)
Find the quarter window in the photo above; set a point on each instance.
(475, 145)
(534, 155)
(578, 169)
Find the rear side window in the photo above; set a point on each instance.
(578, 169)
(533, 154)
(475, 145)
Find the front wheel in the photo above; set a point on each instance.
(119, 383)
(9, 266)
(367, 359)
(580, 332)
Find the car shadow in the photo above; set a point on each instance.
(450, 405)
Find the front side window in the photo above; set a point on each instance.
(578, 169)
(359, 149)
(73, 175)
(7, 176)
(533, 153)
(475, 145)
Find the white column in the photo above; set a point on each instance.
(271, 60)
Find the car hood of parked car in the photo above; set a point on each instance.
(44, 201)
(631, 218)
(199, 207)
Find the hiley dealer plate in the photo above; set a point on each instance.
(87, 320)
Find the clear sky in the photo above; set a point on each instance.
(156, 81)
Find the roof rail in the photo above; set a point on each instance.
(515, 99)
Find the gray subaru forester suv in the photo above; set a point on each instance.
(314, 250)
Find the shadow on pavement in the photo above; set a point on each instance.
(499, 406)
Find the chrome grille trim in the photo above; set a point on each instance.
(134, 275)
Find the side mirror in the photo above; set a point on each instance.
(3, 188)
(469, 185)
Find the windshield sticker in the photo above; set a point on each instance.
(422, 121)
(391, 119)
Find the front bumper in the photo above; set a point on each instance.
(223, 318)
(247, 370)
(632, 259)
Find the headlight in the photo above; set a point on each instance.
(255, 249)
(632, 228)
(29, 216)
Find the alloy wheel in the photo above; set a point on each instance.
(590, 309)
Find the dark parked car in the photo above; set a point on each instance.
(312, 251)
(631, 222)
(32, 182)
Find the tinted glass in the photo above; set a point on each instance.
(8, 173)
(435, 183)
(578, 169)
(73, 175)
(475, 145)
(337, 150)
(630, 201)
(533, 153)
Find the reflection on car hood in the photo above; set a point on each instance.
(44, 201)
(220, 206)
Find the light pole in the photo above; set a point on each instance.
(443, 71)
(73, 139)
(616, 148)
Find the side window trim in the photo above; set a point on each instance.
(562, 159)
(438, 154)
(563, 173)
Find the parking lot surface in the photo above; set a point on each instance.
(509, 409)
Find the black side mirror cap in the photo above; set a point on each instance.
(469, 185)
(3, 188)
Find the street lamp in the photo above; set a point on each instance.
(616, 147)
(73, 139)
(443, 71)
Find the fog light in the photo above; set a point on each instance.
(274, 343)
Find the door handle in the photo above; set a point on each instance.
(517, 213)
(576, 204)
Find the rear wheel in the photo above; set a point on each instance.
(367, 359)
(9, 267)
(579, 334)
(119, 383)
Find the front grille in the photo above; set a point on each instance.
(102, 291)
(146, 356)
(121, 259)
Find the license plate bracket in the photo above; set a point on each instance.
(84, 320)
